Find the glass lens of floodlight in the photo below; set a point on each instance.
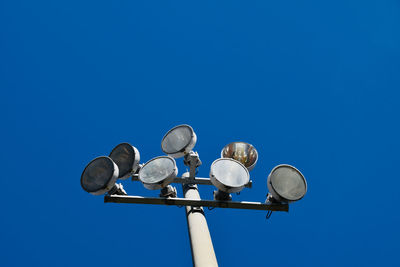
(98, 174)
(288, 182)
(126, 157)
(177, 139)
(230, 173)
(242, 152)
(157, 170)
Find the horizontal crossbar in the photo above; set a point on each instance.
(196, 203)
(196, 180)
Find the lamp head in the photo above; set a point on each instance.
(99, 176)
(286, 183)
(127, 158)
(157, 173)
(242, 152)
(229, 175)
(179, 141)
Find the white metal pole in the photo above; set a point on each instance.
(203, 254)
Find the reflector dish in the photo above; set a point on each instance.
(99, 176)
(286, 183)
(178, 141)
(242, 152)
(158, 172)
(127, 158)
(229, 175)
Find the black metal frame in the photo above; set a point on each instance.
(196, 203)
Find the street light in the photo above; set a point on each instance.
(242, 152)
(127, 158)
(99, 177)
(229, 174)
(179, 141)
(158, 172)
(286, 184)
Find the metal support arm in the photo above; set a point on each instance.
(196, 203)
(196, 180)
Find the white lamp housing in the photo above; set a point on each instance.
(127, 158)
(286, 183)
(179, 141)
(229, 175)
(158, 172)
(99, 176)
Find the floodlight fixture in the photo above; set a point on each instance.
(179, 141)
(158, 172)
(127, 158)
(286, 183)
(229, 175)
(99, 177)
(243, 152)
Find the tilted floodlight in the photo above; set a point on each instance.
(178, 141)
(99, 177)
(229, 175)
(127, 158)
(286, 183)
(242, 152)
(158, 172)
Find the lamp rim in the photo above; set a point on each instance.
(227, 188)
(111, 181)
(164, 182)
(136, 160)
(251, 167)
(274, 190)
(187, 148)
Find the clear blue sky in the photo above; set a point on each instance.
(308, 83)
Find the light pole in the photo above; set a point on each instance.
(200, 239)
(230, 174)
